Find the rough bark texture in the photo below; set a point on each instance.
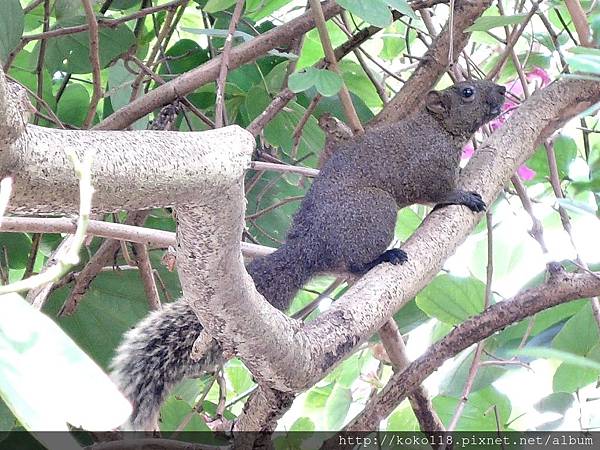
(134, 170)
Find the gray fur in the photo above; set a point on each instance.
(345, 223)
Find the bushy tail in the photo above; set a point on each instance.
(155, 355)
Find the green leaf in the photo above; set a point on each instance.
(303, 80)
(579, 334)
(583, 59)
(479, 412)
(312, 50)
(184, 56)
(374, 12)
(16, 246)
(358, 83)
(7, 419)
(328, 83)
(113, 304)
(565, 150)
(37, 366)
(452, 299)
(453, 380)
(403, 419)
(67, 8)
(73, 105)
(239, 376)
(123, 4)
(71, 53)
(485, 23)
(337, 407)
(403, 7)
(558, 402)
(259, 9)
(575, 371)
(173, 413)
(12, 22)
(410, 317)
(213, 6)
(303, 424)
(316, 399)
(393, 41)
(408, 221)
(348, 372)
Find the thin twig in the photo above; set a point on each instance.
(148, 236)
(220, 100)
(344, 94)
(511, 42)
(83, 172)
(580, 21)
(147, 275)
(94, 61)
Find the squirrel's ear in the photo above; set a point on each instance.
(435, 102)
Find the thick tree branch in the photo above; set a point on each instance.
(560, 288)
(138, 170)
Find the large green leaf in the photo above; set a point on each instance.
(582, 59)
(16, 248)
(403, 7)
(213, 6)
(327, 83)
(394, 41)
(73, 105)
(565, 150)
(37, 366)
(480, 410)
(454, 380)
(452, 299)
(11, 26)
(580, 334)
(184, 56)
(374, 12)
(71, 53)
(316, 398)
(114, 303)
(337, 406)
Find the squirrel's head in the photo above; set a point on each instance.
(466, 106)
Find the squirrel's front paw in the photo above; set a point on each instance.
(394, 256)
(474, 202)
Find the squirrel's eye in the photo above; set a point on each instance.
(467, 92)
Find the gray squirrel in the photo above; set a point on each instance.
(345, 224)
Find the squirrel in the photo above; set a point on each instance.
(344, 224)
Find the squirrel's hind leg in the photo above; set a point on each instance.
(393, 255)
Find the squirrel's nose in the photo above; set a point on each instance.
(501, 89)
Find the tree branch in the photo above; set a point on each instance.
(189, 81)
(560, 288)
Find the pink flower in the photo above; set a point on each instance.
(468, 150)
(541, 79)
(526, 173)
(539, 75)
